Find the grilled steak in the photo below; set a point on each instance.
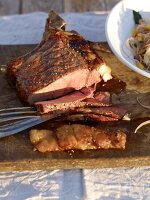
(76, 136)
(57, 68)
(60, 76)
(62, 62)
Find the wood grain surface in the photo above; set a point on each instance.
(16, 151)
(8, 7)
(42, 5)
(84, 5)
(134, 80)
(110, 4)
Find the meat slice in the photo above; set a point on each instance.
(78, 102)
(99, 118)
(76, 136)
(103, 97)
(93, 102)
(96, 114)
(62, 62)
(76, 99)
(66, 102)
(112, 111)
(87, 117)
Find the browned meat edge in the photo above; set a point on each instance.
(63, 62)
(112, 111)
(53, 21)
(75, 99)
(87, 117)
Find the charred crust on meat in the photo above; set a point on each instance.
(59, 54)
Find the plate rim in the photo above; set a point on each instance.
(119, 56)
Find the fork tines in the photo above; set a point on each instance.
(11, 114)
(13, 120)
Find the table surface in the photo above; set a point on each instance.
(116, 183)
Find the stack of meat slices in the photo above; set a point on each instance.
(74, 135)
(61, 74)
(79, 105)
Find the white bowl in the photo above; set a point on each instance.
(118, 28)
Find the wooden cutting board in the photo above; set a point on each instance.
(16, 151)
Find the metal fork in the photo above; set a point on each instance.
(14, 120)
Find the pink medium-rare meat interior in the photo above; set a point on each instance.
(61, 63)
(72, 81)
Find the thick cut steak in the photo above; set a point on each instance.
(61, 63)
(76, 136)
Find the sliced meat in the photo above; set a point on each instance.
(66, 102)
(99, 118)
(87, 117)
(98, 114)
(112, 111)
(62, 62)
(103, 97)
(93, 102)
(73, 118)
(82, 98)
(76, 136)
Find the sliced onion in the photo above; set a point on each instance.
(126, 117)
(144, 106)
(141, 125)
(127, 54)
